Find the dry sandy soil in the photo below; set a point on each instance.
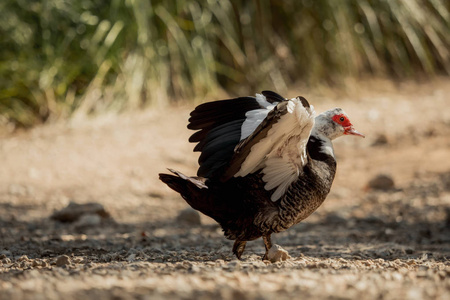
(362, 243)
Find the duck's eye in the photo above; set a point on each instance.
(341, 119)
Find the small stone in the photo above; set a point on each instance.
(47, 252)
(423, 268)
(189, 216)
(194, 269)
(276, 254)
(131, 257)
(62, 261)
(389, 231)
(6, 261)
(22, 258)
(88, 220)
(155, 195)
(442, 275)
(381, 140)
(234, 265)
(381, 182)
(336, 219)
(75, 211)
(409, 251)
(77, 260)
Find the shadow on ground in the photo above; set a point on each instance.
(387, 225)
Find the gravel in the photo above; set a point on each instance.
(371, 253)
(388, 243)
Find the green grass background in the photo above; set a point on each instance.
(60, 57)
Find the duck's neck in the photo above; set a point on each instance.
(321, 158)
(320, 146)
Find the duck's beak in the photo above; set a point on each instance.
(353, 131)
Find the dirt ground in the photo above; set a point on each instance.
(362, 243)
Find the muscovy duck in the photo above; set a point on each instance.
(266, 164)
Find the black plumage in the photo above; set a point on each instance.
(220, 130)
(273, 97)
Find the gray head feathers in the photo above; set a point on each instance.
(326, 126)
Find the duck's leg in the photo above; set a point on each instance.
(238, 248)
(274, 253)
(268, 244)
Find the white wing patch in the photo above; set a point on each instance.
(254, 117)
(279, 174)
(282, 153)
(262, 100)
(252, 120)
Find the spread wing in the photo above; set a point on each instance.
(223, 124)
(277, 146)
(266, 133)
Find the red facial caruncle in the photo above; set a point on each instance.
(342, 120)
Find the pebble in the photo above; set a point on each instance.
(131, 257)
(62, 261)
(39, 263)
(194, 269)
(380, 140)
(22, 258)
(276, 254)
(75, 211)
(381, 182)
(89, 220)
(189, 216)
(6, 261)
(233, 265)
(409, 251)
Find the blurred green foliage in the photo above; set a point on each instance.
(60, 57)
